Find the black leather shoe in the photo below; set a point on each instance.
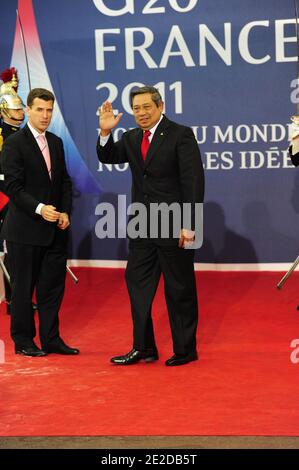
(61, 348)
(135, 356)
(32, 351)
(180, 359)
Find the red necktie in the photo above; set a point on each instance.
(145, 144)
(3, 200)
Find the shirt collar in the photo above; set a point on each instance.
(153, 129)
(35, 133)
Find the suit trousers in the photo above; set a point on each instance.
(146, 261)
(43, 269)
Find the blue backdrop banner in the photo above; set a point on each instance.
(227, 69)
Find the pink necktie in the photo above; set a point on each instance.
(43, 145)
(145, 144)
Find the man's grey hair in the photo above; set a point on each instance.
(156, 97)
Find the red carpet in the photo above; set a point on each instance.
(243, 384)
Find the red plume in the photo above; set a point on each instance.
(7, 74)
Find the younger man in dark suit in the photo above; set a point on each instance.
(166, 169)
(35, 228)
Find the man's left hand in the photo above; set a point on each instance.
(63, 221)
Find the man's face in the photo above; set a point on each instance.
(146, 112)
(16, 117)
(40, 114)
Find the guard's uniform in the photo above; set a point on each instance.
(5, 131)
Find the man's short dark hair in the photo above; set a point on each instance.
(156, 97)
(40, 93)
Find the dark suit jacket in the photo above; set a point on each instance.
(27, 184)
(294, 158)
(172, 171)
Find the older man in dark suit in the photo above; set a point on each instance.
(166, 169)
(35, 228)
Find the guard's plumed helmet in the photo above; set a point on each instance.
(10, 102)
(9, 99)
(9, 82)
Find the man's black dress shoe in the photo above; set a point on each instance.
(135, 356)
(180, 359)
(60, 347)
(32, 351)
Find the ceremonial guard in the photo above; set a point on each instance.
(11, 118)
